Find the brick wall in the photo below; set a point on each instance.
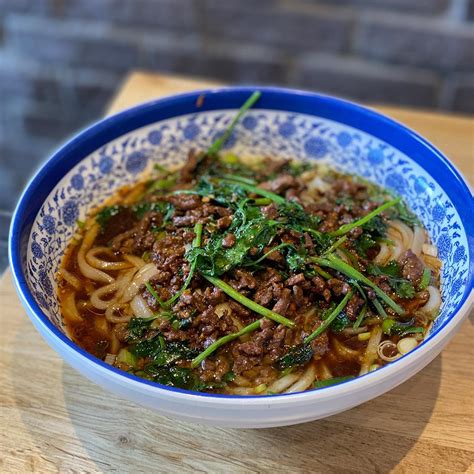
(61, 60)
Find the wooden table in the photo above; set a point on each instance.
(53, 419)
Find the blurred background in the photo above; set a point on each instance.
(62, 60)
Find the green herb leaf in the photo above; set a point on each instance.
(329, 319)
(394, 328)
(364, 243)
(332, 261)
(162, 354)
(164, 208)
(297, 355)
(104, 215)
(138, 327)
(341, 322)
(402, 287)
(425, 279)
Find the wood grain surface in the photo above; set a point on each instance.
(54, 420)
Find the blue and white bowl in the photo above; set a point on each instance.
(285, 123)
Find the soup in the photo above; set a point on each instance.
(249, 277)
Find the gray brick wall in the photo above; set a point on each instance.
(61, 60)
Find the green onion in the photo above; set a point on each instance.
(359, 289)
(327, 322)
(379, 308)
(387, 326)
(263, 257)
(255, 190)
(228, 290)
(360, 317)
(192, 269)
(336, 244)
(412, 330)
(224, 340)
(286, 371)
(217, 145)
(126, 357)
(230, 159)
(238, 178)
(312, 231)
(363, 220)
(336, 263)
(425, 279)
(352, 258)
(262, 201)
(323, 273)
(158, 167)
(391, 327)
(333, 381)
(162, 184)
(154, 294)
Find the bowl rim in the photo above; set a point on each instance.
(111, 127)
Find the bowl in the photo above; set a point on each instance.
(284, 123)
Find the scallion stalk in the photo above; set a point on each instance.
(224, 340)
(344, 229)
(360, 317)
(219, 143)
(154, 294)
(167, 304)
(229, 291)
(274, 249)
(336, 263)
(327, 322)
(255, 190)
(240, 179)
(192, 268)
(336, 244)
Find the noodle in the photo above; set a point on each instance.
(344, 351)
(405, 232)
(70, 278)
(398, 248)
(384, 254)
(96, 297)
(139, 308)
(371, 351)
(69, 307)
(113, 318)
(93, 261)
(86, 269)
(323, 372)
(305, 380)
(135, 261)
(143, 275)
(283, 383)
(419, 237)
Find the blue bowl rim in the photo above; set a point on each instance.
(273, 98)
